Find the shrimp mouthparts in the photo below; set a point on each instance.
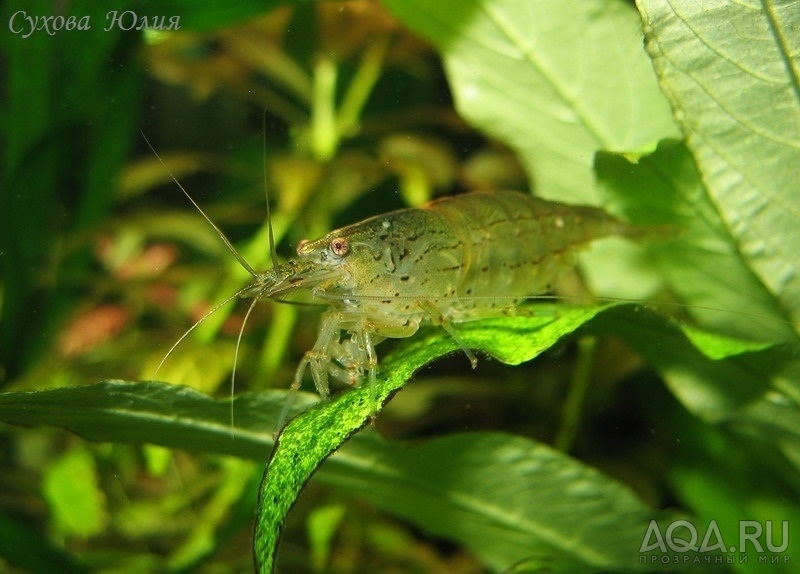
(289, 277)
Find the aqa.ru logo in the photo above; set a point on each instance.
(682, 536)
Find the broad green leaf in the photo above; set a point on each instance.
(777, 414)
(556, 83)
(523, 500)
(713, 390)
(693, 248)
(731, 71)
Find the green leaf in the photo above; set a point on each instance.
(732, 74)
(714, 390)
(71, 489)
(690, 243)
(777, 414)
(310, 438)
(322, 527)
(521, 499)
(556, 85)
(157, 413)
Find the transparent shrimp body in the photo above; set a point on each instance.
(456, 259)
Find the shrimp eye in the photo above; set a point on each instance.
(340, 247)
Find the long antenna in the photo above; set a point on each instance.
(236, 358)
(213, 310)
(272, 251)
(222, 236)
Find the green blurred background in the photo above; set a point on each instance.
(105, 265)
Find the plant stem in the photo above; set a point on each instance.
(573, 406)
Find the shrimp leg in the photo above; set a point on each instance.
(346, 361)
(438, 317)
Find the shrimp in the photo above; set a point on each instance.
(453, 260)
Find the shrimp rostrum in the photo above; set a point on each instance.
(453, 260)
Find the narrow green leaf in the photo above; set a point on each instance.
(731, 71)
(157, 413)
(556, 84)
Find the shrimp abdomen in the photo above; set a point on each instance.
(518, 245)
